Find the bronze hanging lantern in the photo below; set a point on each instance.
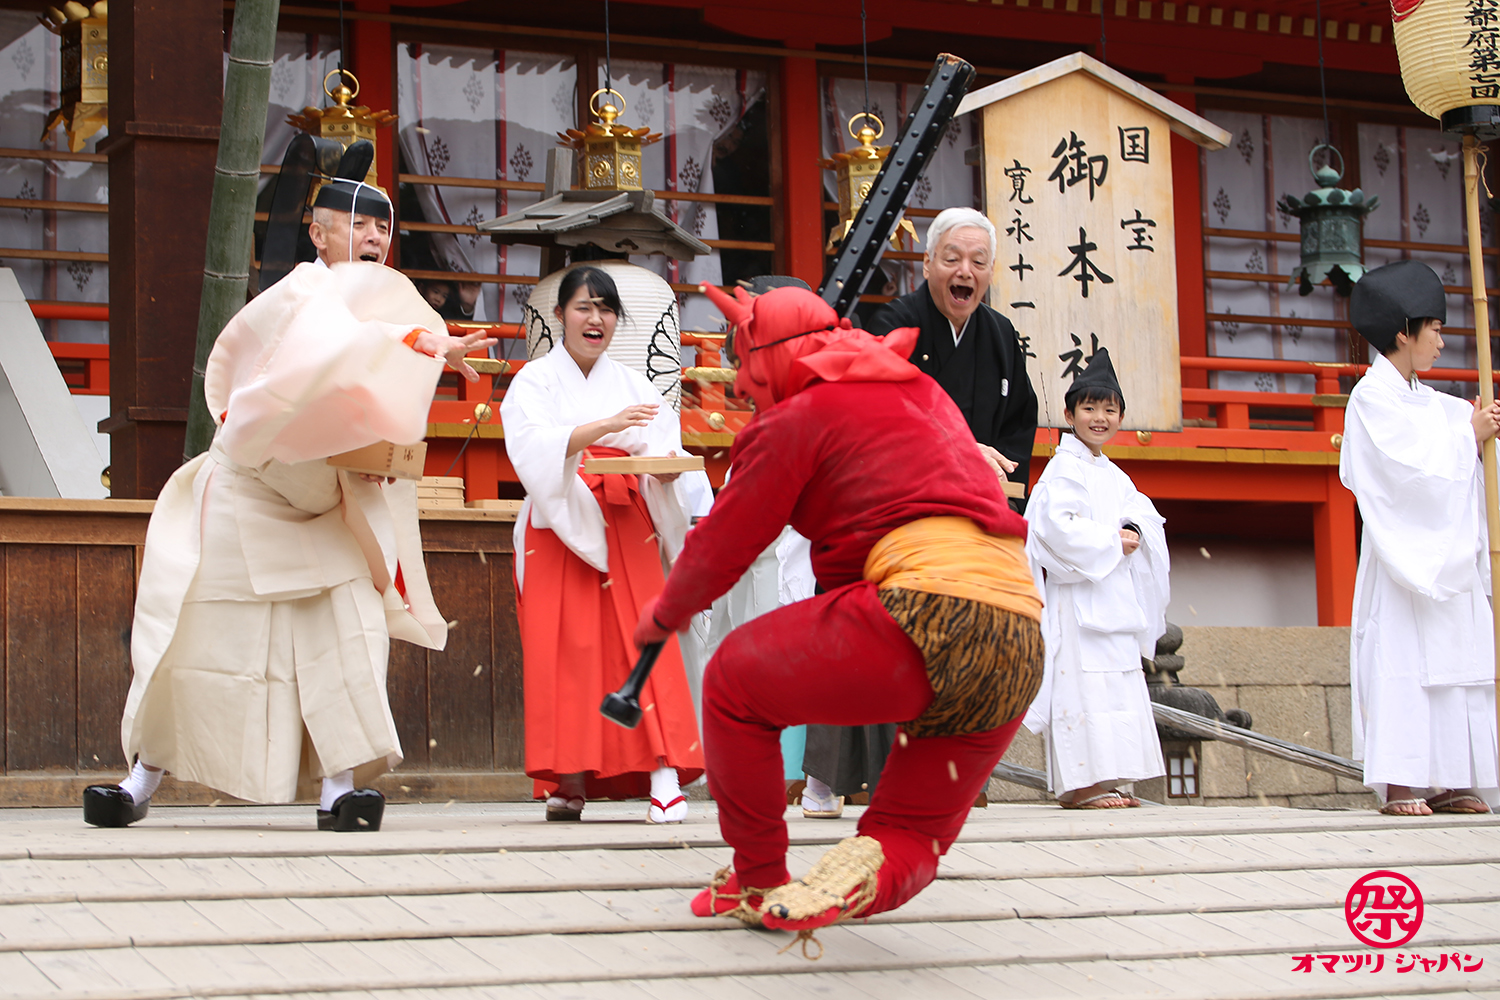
(609, 154)
(342, 120)
(85, 70)
(1332, 221)
(855, 170)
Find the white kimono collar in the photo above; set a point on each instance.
(1070, 445)
(1382, 370)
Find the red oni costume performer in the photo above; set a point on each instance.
(928, 616)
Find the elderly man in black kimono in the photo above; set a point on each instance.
(976, 356)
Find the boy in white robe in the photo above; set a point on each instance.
(1421, 663)
(1099, 545)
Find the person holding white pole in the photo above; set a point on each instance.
(1422, 647)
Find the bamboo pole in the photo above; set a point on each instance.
(1486, 377)
(231, 216)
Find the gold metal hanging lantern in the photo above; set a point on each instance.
(342, 120)
(1332, 221)
(855, 170)
(85, 70)
(609, 154)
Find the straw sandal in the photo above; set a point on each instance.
(1448, 802)
(840, 887)
(1389, 809)
(725, 897)
(1112, 799)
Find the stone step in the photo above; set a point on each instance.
(235, 873)
(1263, 942)
(170, 831)
(372, 917)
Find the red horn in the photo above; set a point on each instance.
(735, 310)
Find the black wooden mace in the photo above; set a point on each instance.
(624, 706)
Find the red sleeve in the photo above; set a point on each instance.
(771, 465)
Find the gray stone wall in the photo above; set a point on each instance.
(1294, 681)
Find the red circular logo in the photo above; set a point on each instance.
(1384, 909)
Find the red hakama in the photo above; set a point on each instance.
(576, 626)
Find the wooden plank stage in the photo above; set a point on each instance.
(470, 900)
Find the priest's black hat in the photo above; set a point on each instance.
(344, 195)
(1097, 380)
(1385, 299)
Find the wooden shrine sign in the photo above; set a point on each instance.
(1078, 182)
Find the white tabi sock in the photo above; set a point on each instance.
(818, 796)
(664, 784)
(142, 782)
(334, 786)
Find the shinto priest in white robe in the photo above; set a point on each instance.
(1103, 611)
(272, 583)
(1421, 667)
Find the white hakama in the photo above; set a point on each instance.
(272, 583)
(1103, 610)
(1422, 647)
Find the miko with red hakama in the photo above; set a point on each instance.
(929, 615)
(589, 556)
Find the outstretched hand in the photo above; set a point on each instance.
(453, 349)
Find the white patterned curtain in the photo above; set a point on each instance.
(1418, 174)
(1418, 178)
(693, 107)
(301, 62)
(29, 82)
(483, 114)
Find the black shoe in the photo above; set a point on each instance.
(360, 809)
(111, 805)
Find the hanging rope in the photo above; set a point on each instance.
(342, 44)
(1103, 38)
(608, 69)
(864, 48)
(1322, 80)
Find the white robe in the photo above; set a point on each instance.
(1102, 611)
(267, 594)
(546, 400)
(1421, 665)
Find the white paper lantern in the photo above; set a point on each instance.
(1448, 58)
(648, 338)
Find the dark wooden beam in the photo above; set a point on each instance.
(166, 64)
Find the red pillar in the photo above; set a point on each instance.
(1334, 552)
(1333, 523)
(801, 177)
(371, 57)
(1187, 218)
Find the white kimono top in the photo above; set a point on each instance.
(546, 400)
(1116, 603)
(1410, 459)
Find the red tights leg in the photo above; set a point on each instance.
(925, 794)
(836, 659)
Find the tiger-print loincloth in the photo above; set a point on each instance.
(984, 663)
